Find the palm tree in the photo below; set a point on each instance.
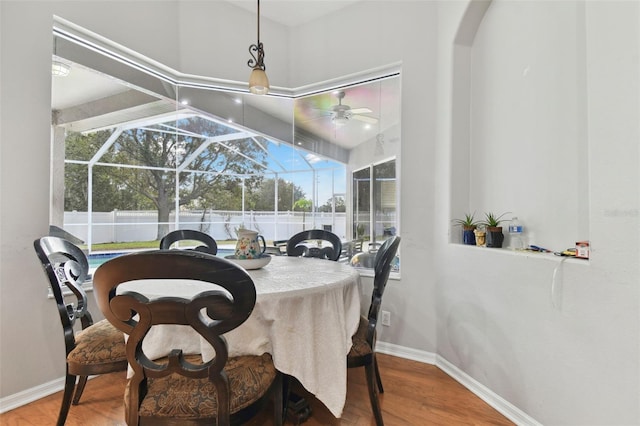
(303, 205)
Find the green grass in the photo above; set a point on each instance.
(126, 246)
(133, 245)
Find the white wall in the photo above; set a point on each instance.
(486, 311)
(572, 363)
(575, 362)
(528, 144)
(32, 348)
(215, 38)
(382, 33)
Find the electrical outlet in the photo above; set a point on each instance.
(386, 318)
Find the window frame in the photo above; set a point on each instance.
(372, 205)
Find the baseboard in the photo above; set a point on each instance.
(26, 396)
(406, 353)
(501, 405)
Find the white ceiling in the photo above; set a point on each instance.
(293, 12)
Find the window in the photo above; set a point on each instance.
(133, 161)
(374, 207)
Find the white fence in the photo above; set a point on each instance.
(126, 226)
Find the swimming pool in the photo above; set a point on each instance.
(97, 259)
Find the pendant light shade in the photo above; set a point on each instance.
(258, 80)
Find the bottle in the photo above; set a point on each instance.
(516, 230)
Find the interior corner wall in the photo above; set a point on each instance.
(560, 340)
(365, 36)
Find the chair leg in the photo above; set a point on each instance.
(69, 386)
(82, 381)
(279, 401)
(378, 379)
(286, 392)
(370, 371)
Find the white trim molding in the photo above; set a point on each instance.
(81, 36)
(503, 406)
(26, 396)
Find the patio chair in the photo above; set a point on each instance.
(350, 249)
(99, 348)
(304, 244)
(362, 352)
(210, 246)
(278, 249)
(182, 389)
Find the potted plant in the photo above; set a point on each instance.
(468, 225)
(494, 237)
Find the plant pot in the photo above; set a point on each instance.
(468, 237)
(495, 237)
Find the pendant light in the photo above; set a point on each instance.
(258, 81)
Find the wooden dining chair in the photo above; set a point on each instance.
(303, 244)
(362, 353)
(208, 245)
(181, 389)
(99, 348)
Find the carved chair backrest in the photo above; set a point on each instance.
(382, 267)
(65, 266)
(296, 245)
(211, 313)
(383, 263)
(209, 244)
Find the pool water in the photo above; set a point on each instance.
(97, 259)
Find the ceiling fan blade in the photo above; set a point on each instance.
(370, 120)
(361, 111)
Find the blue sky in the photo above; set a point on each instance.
(328, 172)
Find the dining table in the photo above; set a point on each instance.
(306, 312)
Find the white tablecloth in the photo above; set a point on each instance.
(306, 312)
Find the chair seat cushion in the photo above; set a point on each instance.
(361, 351)
(179, 397)
(100, 346)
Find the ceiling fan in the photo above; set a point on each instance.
(341, 114)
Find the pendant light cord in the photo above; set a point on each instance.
(258, 22)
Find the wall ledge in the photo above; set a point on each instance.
(529, 255)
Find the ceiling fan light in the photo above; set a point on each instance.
(258, 82)
(60, 69)
(340, 121)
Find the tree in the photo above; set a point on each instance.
(304, 206)
(262, 198)
(106, 194)
(340, 205)
(212, 166)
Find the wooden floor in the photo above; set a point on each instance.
(415, 394)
